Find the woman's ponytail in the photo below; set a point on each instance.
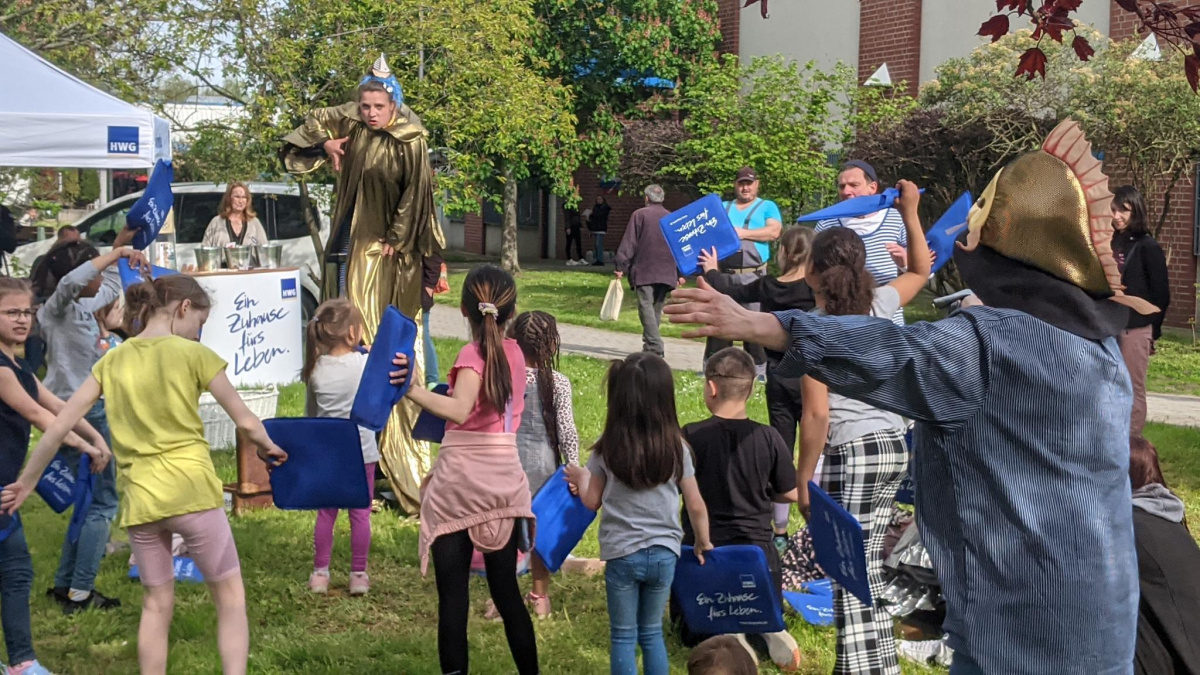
(839, 259)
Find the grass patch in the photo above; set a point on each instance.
(393, 630)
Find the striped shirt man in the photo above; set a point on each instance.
(1021, 460)
(877, 231)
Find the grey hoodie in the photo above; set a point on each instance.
(69, 325)
(1157, 500)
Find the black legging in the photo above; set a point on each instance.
(575, 236)
(784, 407)
(452, 569)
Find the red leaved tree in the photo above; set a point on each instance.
(1178, 26)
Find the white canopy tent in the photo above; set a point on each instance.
(50, 118)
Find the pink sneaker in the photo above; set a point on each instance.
(359, 583)
(318, 582)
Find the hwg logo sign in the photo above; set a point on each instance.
(287, 288)
(123, 140)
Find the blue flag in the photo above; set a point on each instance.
(839, 543)
(946, 230)
(149, 213)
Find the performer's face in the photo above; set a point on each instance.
(376, 108)
(853, 182)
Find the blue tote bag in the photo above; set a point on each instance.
(732, 592)
(561, 520)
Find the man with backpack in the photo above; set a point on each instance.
(758, 223)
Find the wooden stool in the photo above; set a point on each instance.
(253, 487)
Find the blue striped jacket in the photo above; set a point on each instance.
(1021, 464)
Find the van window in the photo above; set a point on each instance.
(289, 218)
(102, 228)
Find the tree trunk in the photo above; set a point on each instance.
(314, 230)
(508, 238)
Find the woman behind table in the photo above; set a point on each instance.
(638, 468)
(1168, 627)
(476, 495)
(236, 223)
(1144, 275)
(864, 449)
(168, 485)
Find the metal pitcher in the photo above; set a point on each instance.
(269, 255)
(209, 258)
(237, 257)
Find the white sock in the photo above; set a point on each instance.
(77, 595)
(323, 571)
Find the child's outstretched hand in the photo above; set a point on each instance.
(576, 476)
(400, 375)
(708, 259)
(700, 548)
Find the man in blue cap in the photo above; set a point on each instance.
(882, 232)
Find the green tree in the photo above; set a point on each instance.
(783, 118)
(605, 49)
(466, 69)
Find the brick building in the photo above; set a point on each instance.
(912, 37)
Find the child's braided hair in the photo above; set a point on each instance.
(537, 334)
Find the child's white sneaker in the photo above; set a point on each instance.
(359, 583)
(318, 581)
(783, 650)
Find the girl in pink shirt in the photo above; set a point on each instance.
(476, 495)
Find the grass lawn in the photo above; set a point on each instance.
(393, 630)
(574, 295)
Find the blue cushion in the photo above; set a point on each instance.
(699, 226)
(130, 276)
(376, 394)
(324, 469)
(818, 587)
(430, 427)
(57, 485)
(814, 609)
(732, 592)
(855, 206)
(838, 540)
(561, 520)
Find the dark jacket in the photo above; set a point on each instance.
(1168, 630)
(598, 221)
(1144, 275)
(431, 271)
(772, 295)
(571, 220)
(644, 256)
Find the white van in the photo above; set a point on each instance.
(277, 205)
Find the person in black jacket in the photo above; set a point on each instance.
(1144, 275)
(1168, 627)
(598, 225)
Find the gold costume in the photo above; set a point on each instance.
(384, 192)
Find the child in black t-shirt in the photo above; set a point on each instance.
(743, 469)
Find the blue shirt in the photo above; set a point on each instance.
(1021, 463)
(877, 230)
(763, 209)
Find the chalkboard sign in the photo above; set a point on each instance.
(732, 592)
(838, 541)
(699, 226)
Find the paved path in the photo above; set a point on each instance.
(687, 355)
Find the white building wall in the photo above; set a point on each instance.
(803, 32)
(949, 27)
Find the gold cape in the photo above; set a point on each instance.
(385, 190)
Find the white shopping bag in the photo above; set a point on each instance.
(611, 310)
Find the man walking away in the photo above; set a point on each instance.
(646, 259)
